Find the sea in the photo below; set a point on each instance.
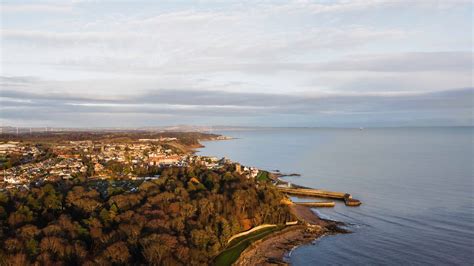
(415, 184)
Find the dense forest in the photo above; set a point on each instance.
(184, 217)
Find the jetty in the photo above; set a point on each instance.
(309, 192)
(327, 204)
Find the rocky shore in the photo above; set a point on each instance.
(273, 249)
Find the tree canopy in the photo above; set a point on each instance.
(184, 217)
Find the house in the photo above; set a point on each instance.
(98, 167)
(163, 159)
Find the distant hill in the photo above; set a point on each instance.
(175, 128)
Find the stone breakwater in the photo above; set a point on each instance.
(309, 192)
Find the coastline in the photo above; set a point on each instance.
(275, 249)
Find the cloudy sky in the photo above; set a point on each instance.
(271, 63)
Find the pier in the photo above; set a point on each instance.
(308, 192)
(326, 204)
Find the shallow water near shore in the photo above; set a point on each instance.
(416, 186)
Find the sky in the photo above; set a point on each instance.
(359, 63)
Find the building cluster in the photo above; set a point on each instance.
(16, 148)
(161, 139)
(48, 170)
(76, 158)
(215, 163)
(97, 160)
(132, 155)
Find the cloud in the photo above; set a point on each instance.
(342, 6)
(64, 38)
(239, 62)
(221, 106)
(33, 8)
(404, 62)
(216, 50)
(451, 61)
(184, 40)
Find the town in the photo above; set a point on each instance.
(25, 163)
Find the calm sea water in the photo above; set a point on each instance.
(416, 185)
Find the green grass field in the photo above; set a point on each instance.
(238, 245)
(262, 176)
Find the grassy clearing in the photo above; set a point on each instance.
(239, 239)
(238, 245)
(263, 176)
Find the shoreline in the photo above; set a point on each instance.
(276, 248)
